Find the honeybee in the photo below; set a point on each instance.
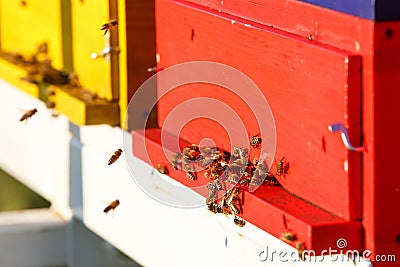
(240, 152)
(218, 184)
(28, 114)
(192, 152)
(206, 162)
(189, 172)
(208, 151)
(282, 168)
(109, 25)
(215, 170)
(161, 169)
(239, 221)
(231, 198)
(271, 180)
(115, 156)
(50, 104)
(212, 193)
(74, 80)
(234, 209)
(236, 152)
(255, 141)
(111, 206)
(176, 160)
(191, 176)
(288, 236)
(215, 208)
(300, 248)
(233, 178)
(260, 173)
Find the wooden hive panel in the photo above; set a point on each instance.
(308, 86)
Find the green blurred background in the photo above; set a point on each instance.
(16, 196)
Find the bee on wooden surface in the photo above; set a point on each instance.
(282, 168)
(192, 152)
(239, 221)
(236, 152)
(189, 172)
(211, 187)
(231, 198)
(245, 181)
(111, 206)
(109, 25)
(115, 156)
(208, 151)
(206, 162)
(246, 174)
(208, 155)
(176, 160)
(191, 176)
(270, 179)
(288, 236)
(161, 169)
(244, 154)
(215, 208)
(233, 178)
(218, 184)
(234, 209)
(74, 80)
(260, 173)
(255, 141)
(300, 248)
(50, 104)
(237, 166)
(212, 193)
(28, 114)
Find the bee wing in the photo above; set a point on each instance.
(104, 26)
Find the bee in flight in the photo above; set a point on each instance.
(28, 114)
(111, 206)
(109, 25)
(115, 156)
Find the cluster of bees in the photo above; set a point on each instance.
(224, 169)
(38, 66)
(40, 70)
(229, 174)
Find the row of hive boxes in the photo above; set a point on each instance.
(55, 50)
